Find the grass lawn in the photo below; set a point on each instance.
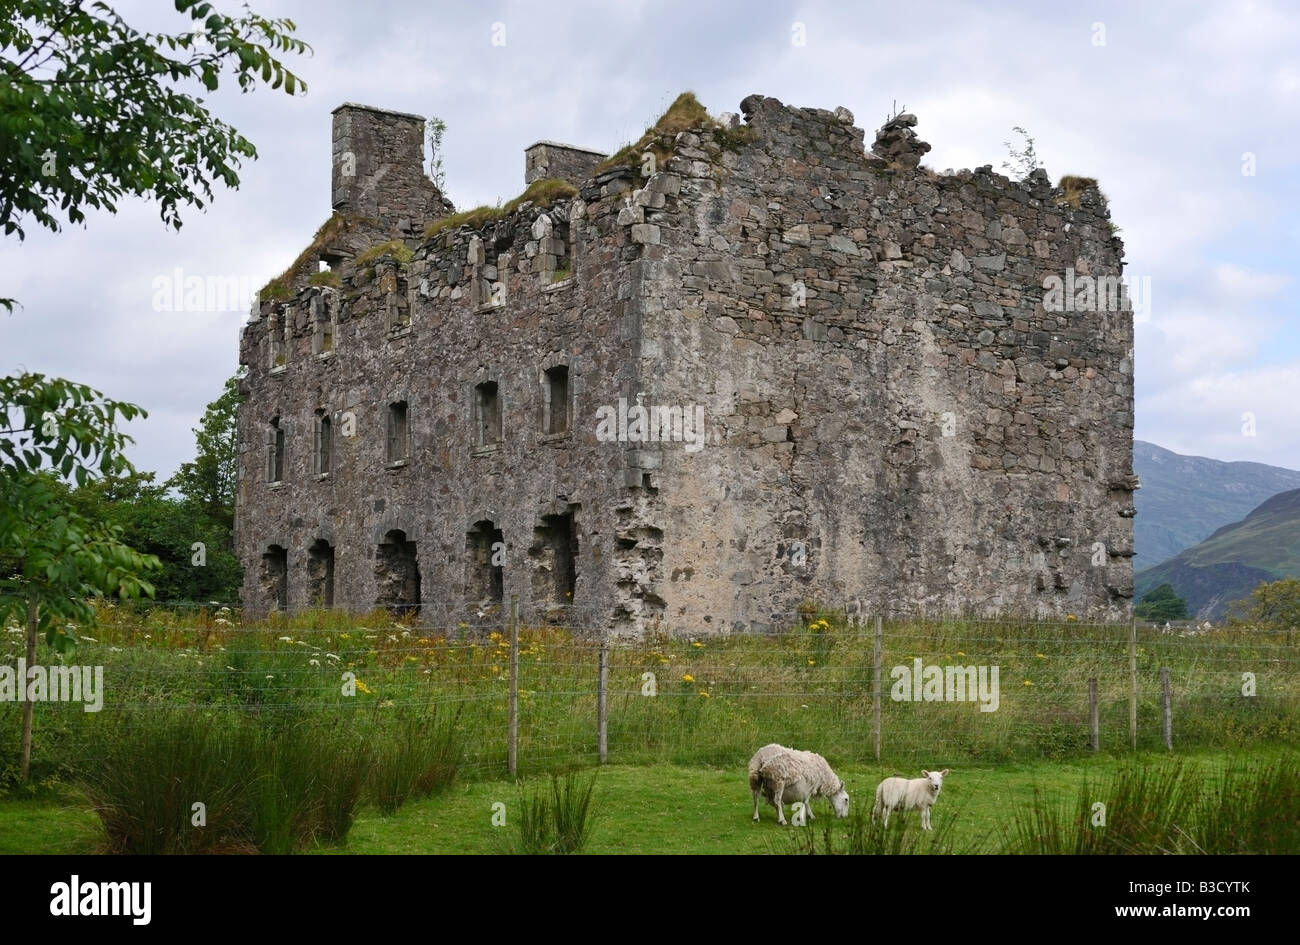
(648, 809)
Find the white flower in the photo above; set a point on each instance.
(286, 639)
(313, 662)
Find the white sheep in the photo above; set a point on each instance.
(786, 774)
(905, 794)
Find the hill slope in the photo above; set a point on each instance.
(1264, 546)
(1184, 499)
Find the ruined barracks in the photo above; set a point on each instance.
(731, 369)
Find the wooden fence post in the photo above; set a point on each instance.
(1133, 684)
(512, 730)
(602, 702)
(875, 689)
(1094, 716)
(1167, 705)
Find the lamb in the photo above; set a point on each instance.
(904, 794)
(785, 774)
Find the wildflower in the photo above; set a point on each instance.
(705, 693)
(89, 639)
(687, 677)
(662, 660)
(960, 653)
(361, 686)
(392, 638)
(1041, 656)
(413, 659)
(313, 662)
(1071, 617)
(1028, 683)
(386, 704)
(270, 677)
(286, 639)
(332, 656)
(696, 643)
(344, 636)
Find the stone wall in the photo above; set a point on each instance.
(891, 413)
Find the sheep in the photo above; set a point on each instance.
(904, 794)
(785, 774)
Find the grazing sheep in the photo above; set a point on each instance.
(904, 794)
(785, 774)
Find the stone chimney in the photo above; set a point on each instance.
(564, 161)
(378, 169)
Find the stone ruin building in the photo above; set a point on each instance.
(753, 364)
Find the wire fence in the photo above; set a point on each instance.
(552, 690)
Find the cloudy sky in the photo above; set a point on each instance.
(1165, 103)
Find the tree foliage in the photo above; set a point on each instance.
(52, 556)
(208, 482)
(1024, 160)
(1271, 606)
(1161, 603)
(93, 110)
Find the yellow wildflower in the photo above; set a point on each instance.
(687, 677)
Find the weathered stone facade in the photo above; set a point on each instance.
(891, 414)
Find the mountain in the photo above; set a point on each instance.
(1263, 546)
(1184, 499)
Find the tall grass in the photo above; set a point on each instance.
(415, 757)
(554, 817)
(859, 835)
(1252, 807)
(173, 782)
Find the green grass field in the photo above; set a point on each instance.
(651, 809)
(288, 728)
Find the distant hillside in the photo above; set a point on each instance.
(1264, 546)
(1184, 499)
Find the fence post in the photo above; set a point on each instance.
(1094, 716)
(1167, 705)
(602, 702)
(875, 689)
(512, 730)
(1133, 684)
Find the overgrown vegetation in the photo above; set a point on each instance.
(1074, 187)
(278, 288)
(684, 113)
(543, 194)
(1024, 160)
(395, 248)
